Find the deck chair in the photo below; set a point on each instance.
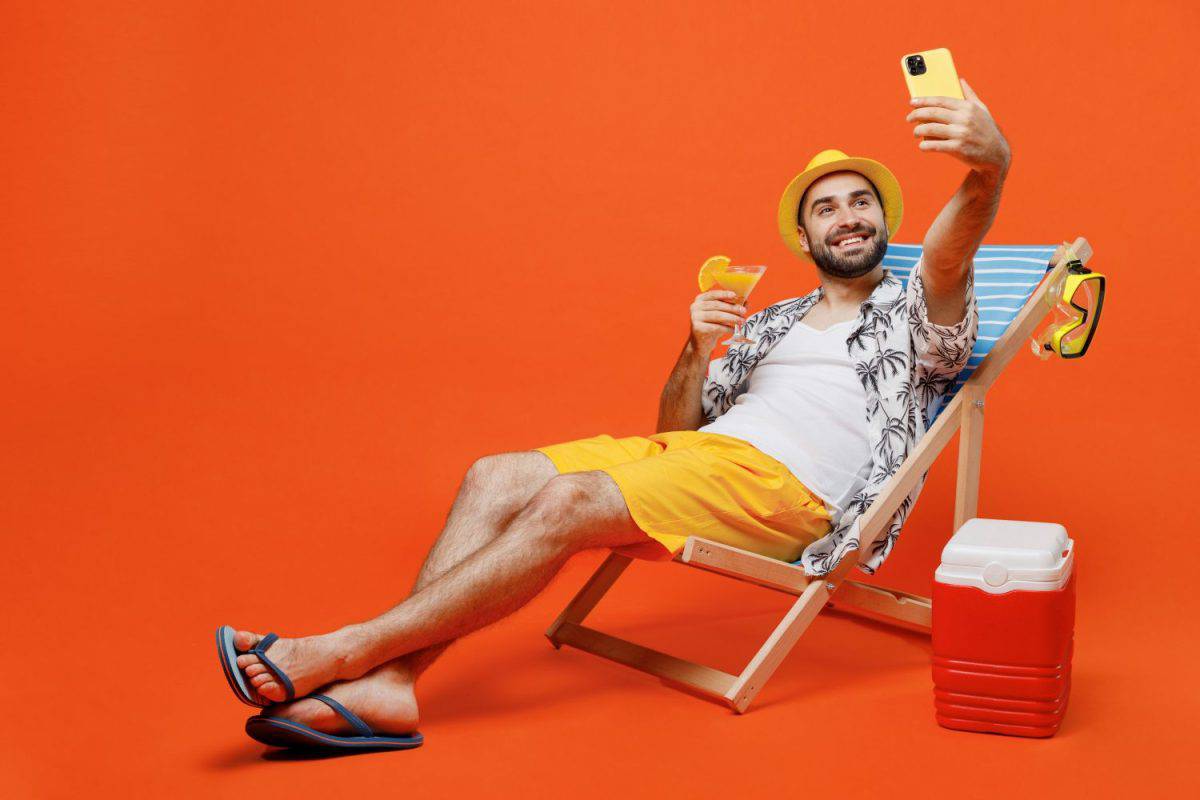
(1010, 288)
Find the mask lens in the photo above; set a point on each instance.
(1084, 298)
(1073, 341)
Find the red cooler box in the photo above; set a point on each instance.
(1003, 625)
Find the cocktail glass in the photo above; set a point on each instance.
(740, 280)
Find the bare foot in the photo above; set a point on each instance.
(309, 662)
(383, 698)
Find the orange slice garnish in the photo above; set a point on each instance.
(711, 269)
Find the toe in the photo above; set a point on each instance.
(245, 661)
(272, 691)
(255, 669)
(244, 640)
(261, 679)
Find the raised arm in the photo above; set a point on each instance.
(964, 129)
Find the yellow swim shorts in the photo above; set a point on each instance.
(689, 483)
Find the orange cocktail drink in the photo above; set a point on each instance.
(740, 280)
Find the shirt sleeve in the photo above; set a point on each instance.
(712, 390)
(941, 351)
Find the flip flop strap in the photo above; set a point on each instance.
(260, 650)
(363, 728)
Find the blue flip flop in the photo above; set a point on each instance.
(237, 679)
(288, 733)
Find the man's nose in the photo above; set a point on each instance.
(848, 219)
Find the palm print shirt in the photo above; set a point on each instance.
(907, 365)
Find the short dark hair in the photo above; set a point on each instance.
(800, 210)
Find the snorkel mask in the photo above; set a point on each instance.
(1075, 298)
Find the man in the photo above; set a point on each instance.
(802, 428)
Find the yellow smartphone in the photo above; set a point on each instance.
(931, 73)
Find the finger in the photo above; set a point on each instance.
(938, 102)
(721, 305)
(718, 329)
(968, 92)
(934, 130)
(713, 294)
(932, 114)
(721, 317)
(717, 305)
(939, 145)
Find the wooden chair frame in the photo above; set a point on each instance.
(887, 605)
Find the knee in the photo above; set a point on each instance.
(504, 473)
(489, 474)
(560, 508)
(562, 493)
(483, 471)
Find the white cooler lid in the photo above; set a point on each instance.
(1001, 555)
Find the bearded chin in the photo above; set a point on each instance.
(853, 266)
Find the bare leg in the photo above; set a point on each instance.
(494, 490)
(572, 512)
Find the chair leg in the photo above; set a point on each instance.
(738, 692)
(970, 454)
(778, 645)
(587, 597)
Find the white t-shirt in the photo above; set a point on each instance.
(805, 407)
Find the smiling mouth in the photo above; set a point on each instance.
(850, 244)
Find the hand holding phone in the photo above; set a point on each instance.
(949, 121)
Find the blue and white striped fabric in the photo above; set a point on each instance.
(1005, 278)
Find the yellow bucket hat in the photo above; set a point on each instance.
(822, 164)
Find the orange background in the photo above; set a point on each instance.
(276, 274)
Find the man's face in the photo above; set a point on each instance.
(837, 207)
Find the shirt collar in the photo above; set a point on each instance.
(885, 293)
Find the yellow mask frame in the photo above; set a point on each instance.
(1070, 331)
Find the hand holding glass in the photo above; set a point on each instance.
(740, 280)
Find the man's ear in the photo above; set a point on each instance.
(803, 239)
